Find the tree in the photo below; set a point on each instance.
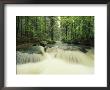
(34, 29)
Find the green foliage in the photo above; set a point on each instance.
(48, 29)
(78, 27)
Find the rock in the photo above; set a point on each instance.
(36, 49)
(83, 50)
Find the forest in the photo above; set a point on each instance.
(48, 29)
(44, 42)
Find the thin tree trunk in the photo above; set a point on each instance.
(71, 31)
(52, 24)
(66, 33)
(45, 24)
(17, 25)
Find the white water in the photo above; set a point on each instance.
(52, 65)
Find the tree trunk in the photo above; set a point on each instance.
(17, 25)
(71, 31)
(66, 32)
(52, 25)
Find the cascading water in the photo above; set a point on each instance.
(56, 60)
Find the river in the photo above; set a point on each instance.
(59, 59)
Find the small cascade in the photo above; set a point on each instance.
(77, 57)
(23, 58)
(72, 56)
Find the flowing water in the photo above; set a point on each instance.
(56, 60)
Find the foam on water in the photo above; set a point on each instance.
(52, 65)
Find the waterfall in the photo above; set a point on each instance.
(55, 61)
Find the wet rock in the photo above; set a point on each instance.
(83, 50)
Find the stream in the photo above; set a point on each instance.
(57, 59)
